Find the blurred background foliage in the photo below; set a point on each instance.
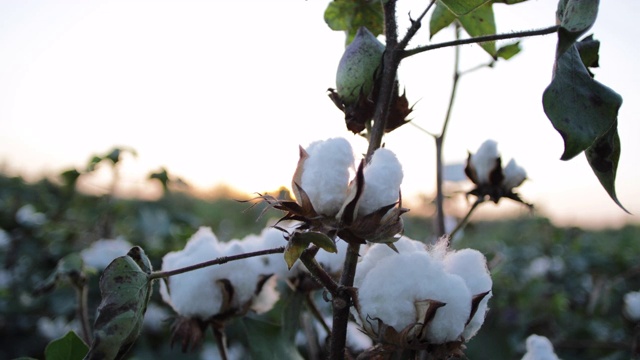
(563, 283)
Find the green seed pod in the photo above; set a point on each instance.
(358, 65)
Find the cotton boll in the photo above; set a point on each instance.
(102, 252)
(632, 306)
(471, 265)
(449, 321)
(514, 175)
(193, 294)
(325, 175)
(382, 179)
(388, 291)
(243, 274)
(539, 348)
(376, 252)
(484, 160)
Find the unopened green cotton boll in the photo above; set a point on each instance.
(356, 71)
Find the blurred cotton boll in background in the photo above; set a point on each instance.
(631, 308)
(539, 348)
(102, 252)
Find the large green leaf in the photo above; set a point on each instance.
(603, 157)
(462, 7)
(440, 19)
(580, 108)
(126, 288)
(481, 22)
(68, 347)
(575, 18)
(266, 341)
(350, 15)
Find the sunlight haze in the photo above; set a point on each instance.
(224, 92)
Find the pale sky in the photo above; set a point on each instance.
(224, 92)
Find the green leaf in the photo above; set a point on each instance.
(319, 239)
(589, 49)
(350, 15)
(508, 2)
(463, 7)
(508, 51)
(293, 305)
(70, 267)
(68, 347)
(267, 340)
(440, 19)
(125, 288)
(296, 245)
(580, 108)
(603, 158)
(575, 18)
(481, 22)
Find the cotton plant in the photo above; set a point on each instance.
(213, 295)
(492, 180)
(539, 348)
(423, 297)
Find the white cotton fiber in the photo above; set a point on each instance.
(382, 178)
(539, 348)
(325, 175)
(484, 160)
(193, 294)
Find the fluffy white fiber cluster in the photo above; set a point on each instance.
(389, 285)
(484, 162)
(328, 167)
(539, 348)
(199, 293)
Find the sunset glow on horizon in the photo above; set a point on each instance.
(225, 94)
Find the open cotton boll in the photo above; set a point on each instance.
(243, 274)
(193, 294)
(539, 348)
(449, 321)
(378, 251)
(484, 160)
(514, 175)
(389, 290)
(325, 175)
(382, 180)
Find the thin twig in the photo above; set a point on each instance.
(440, 141)
(412, 123)
(464, 221)
(221, 341)
(415, 26)
(479, 39)
(217, 261)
